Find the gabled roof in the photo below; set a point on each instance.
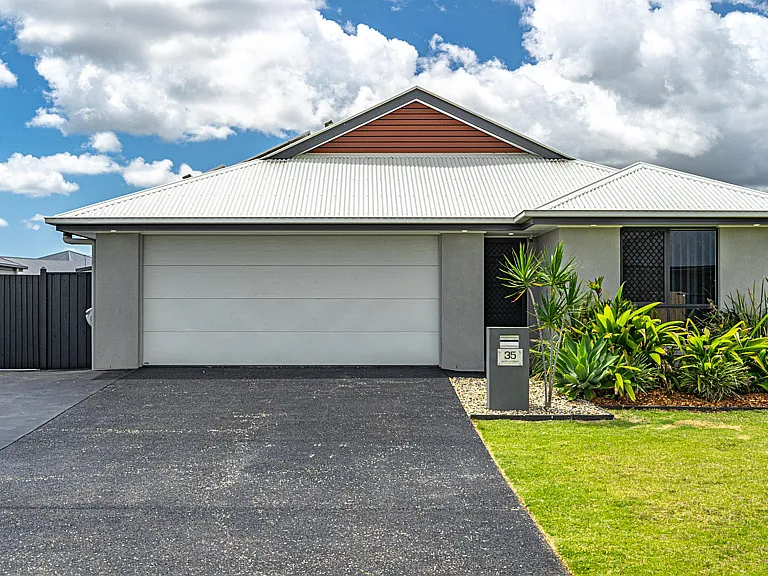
(66, 261)
(337, 188)
(8, 263)
(416, 94)
(649, 189)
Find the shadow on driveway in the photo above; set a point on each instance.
(264, 471)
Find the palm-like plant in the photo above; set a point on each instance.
(560, 298)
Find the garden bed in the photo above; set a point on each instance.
(472, 393)
(667, 399)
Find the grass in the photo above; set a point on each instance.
(648, 493)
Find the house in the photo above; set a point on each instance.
(66, 261)
(377, 240)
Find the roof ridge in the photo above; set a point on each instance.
(690, 176)
(620, 173)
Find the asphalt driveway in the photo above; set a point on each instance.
(263, 471)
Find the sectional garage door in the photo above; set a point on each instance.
(291, 300)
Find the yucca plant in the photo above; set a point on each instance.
(559, 298)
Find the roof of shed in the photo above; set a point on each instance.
(352, 188)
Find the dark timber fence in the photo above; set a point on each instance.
(42, 320)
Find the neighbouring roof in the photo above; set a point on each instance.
(352, 188)
(66, 261)
(645, 188)
(8, 263)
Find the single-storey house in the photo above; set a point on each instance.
(377, 241)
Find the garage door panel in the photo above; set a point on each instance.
(290, 250)
(286, 315)
(291, 300)
(281, 348)
(290, 281)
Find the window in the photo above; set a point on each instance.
(675, 267)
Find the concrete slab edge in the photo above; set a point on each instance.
(65, 410)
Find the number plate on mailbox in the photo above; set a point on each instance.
(510, 357)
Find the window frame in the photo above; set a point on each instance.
(667, 260)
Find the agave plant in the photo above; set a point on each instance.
(584, 367)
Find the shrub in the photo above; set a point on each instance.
(751, 309)
(711, 366)
(644, 344)
(583, 367)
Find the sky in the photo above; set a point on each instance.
(100, 98)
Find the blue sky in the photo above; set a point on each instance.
(586, 83)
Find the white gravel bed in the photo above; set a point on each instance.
(471, 392)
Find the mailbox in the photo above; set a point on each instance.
(507, 368)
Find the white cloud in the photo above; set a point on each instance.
(613, 81)
(47, 119)
(3, 223)
(43, 176)
(105, 142)
(145, 175)
(34, 222)
(7, 78)
(202, 69)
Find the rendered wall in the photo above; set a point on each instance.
(116, 298)
(743, 259)
(596, 251)
(462, 331)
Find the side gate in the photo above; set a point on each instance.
(42, 320)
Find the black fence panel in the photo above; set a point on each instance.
(42, 320)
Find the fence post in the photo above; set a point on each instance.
(42, 318)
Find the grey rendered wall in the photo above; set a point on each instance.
(462, 314)
(116, 298)
(597, 252)
(743, 259)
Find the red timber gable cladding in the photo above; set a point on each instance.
(412, 129)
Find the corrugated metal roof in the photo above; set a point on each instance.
(644, 187)
(8, 263)
(350, 188)
(67, 261)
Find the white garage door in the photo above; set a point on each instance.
(366, 300)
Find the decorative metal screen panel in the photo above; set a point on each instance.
(501, 311)
(642, 253)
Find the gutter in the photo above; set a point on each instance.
(70, 239)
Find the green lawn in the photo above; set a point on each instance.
(648, 493)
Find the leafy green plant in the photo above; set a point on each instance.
(552, 286)
(643, 343)
(583, 367)
(750, 308)
(712, 366)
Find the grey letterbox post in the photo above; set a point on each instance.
(507, 368)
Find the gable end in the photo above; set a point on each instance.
(415, 128)
(441, 105)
